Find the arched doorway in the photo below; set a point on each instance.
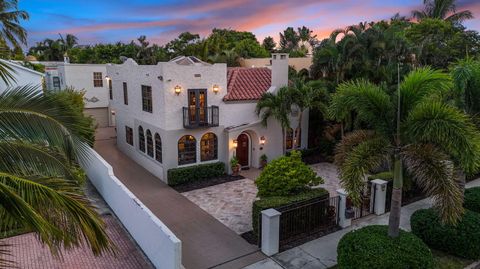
(243, 150)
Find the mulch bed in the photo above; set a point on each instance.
(190, 186)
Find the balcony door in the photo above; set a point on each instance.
(197, 106)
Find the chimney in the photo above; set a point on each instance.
(279, 69)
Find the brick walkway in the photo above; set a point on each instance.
(28, 253)
(230, 203)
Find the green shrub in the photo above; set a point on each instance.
(472, 199)
(279, 201)
(177, 176)
(387, 175)
(462, 240)
(285, 176)
(371, 247)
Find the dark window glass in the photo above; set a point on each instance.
(208, 147)
(147, 98)
(110, 89)
(187, 150)
(289, 139)
(158, 148)
(149, 144)
(129, 135)
(56, 83)
(125, 93)
(97, 79)
(141, 139)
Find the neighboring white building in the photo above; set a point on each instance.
(88, 77)
(188, 112)
(23, 76)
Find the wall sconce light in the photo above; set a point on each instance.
(178, 89)
(216, 88)
(107, 77)
(262, 140)
(235, 143)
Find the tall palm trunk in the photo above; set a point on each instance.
(396, 205)
(283, 141)
(299, 128)
(461, 181)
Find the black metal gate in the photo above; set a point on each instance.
(306, 218)
(366, 206)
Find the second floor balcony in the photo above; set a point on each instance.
(200, 117)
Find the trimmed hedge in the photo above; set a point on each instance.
(472, 199)
(387, 176)
(279, 201)
(371, 247)
(462, 240)
(177, 176)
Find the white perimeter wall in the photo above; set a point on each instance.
(160, 245)
(23, 76)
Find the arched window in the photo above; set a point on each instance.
(158, 148)
(289, 139)
(149, 144)
(141, 139)
(208, 147)
(187, 150)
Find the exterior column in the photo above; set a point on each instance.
(270, 231)
(343, 221)
(380, 193)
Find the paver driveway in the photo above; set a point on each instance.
(230, 203)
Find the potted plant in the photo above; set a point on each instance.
(263, 161)
(235, 165)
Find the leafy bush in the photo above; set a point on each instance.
(177, 176)
(387, 176)
(462, 240)
(285, 176)
(371, 247)
(280, 201)
(472, 199)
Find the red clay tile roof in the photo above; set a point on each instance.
(245, 83)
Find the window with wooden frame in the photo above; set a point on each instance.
(129, 135)
(158, 148)
(208, 147)
(110, 89)
(149, 143)
(187, 150)
(147, 98)
(97, 79)
(141, 139)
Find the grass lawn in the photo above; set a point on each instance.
(443, 261)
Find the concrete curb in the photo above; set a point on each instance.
(475, 265)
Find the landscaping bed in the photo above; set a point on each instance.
(195, 185)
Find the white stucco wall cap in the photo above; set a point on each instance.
(14, 65)
(241, 126)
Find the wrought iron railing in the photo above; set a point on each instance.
(200, 117)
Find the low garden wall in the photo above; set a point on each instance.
(160, 245)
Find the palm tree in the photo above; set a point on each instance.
(466, 75)
(414, 131)
(278, 106)
(443, 10)
(11, 32)
(40, 181)
(305, 96)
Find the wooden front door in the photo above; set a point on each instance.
(242, 150)
(197, 106)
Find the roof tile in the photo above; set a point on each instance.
(247, 83)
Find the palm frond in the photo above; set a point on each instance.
(52, 208)
(349, 142)
(434, 173)
(448, 128)
(424, 83)
(366, 156)
(371, 104)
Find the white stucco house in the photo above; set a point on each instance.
(91, 79)
(187, 112)
(23, 76)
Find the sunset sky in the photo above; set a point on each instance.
(94, 21)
